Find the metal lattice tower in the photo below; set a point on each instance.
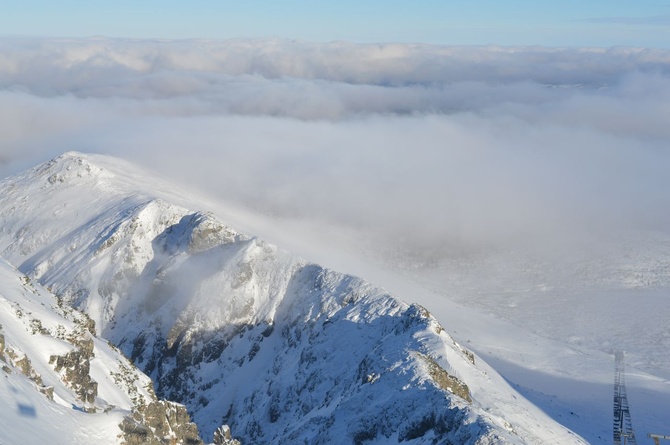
(623, 427)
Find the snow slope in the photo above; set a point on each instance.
(41, 404)
(549, 332)
(245, 333)
(552, 321)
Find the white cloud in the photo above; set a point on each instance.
(426, 145)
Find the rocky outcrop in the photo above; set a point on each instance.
(24, 365)
(75, 368)
(222, 436)
(160, 423)
(444, 380)
(207, 232)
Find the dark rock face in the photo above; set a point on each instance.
(160, 423)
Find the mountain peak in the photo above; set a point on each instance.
(72, 154)
(68, 166)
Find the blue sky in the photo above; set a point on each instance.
(512, 22)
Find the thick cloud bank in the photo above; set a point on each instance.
(314, 81)
(447, 147)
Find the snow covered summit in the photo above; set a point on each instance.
(244, 333)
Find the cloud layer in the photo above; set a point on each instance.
(455, 147)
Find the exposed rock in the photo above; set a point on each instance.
(85, 345)
(48, 391)
(207, 232)
(160, 423)
(37, 328)
(75, 367)
(222, 436)
(24, 365)
(26, 368)
(127, 379)
(444, 380)
(89, 324)
(469, 355)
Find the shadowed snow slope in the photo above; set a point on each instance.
(244, 333)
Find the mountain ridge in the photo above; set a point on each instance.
(205, 310)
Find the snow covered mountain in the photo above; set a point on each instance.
(241, 332)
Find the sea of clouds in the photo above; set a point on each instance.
(415, 145)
